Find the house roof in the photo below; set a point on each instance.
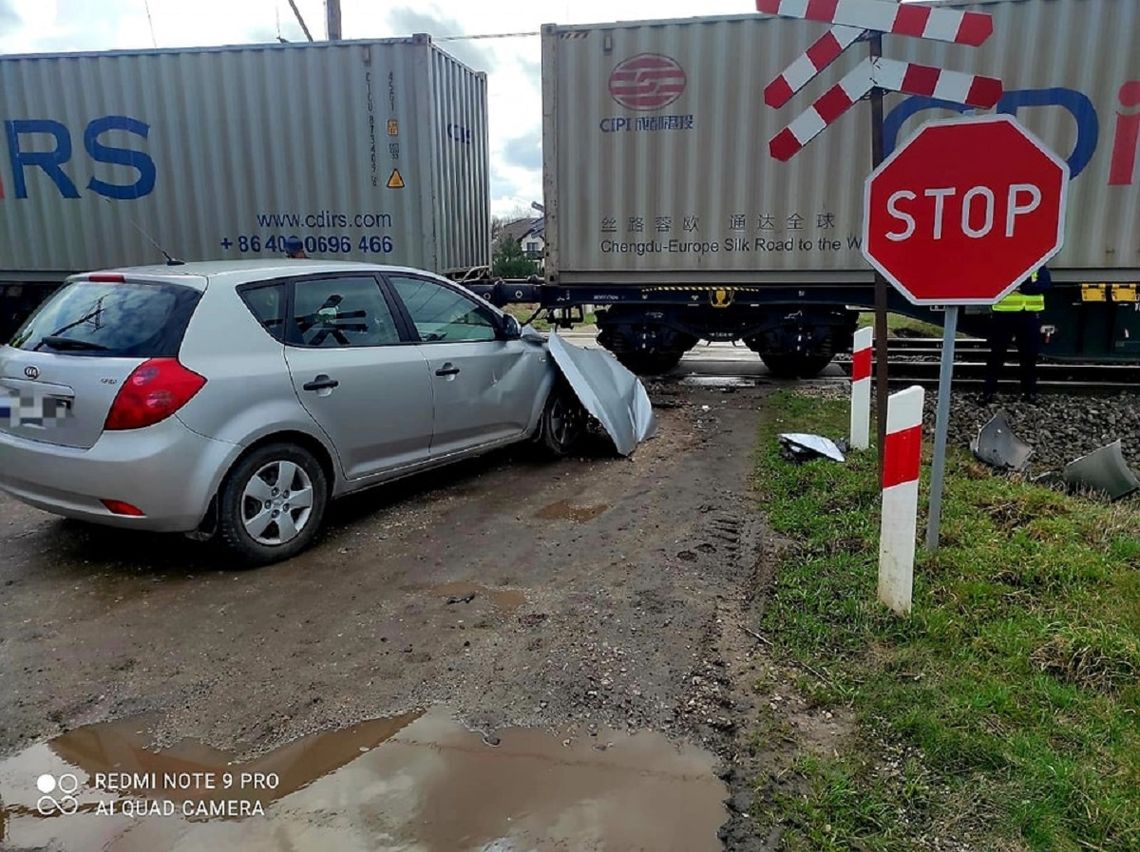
(520, 229)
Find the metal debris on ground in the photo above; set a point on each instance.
(800, 447)
(998, 446)
(1103, 470)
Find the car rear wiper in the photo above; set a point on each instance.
(55, 341)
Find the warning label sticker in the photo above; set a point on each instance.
(395, 181)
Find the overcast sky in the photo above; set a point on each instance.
(512, 64)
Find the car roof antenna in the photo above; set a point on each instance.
(171, 260)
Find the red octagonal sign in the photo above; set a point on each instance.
(964, 211)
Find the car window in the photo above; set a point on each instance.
(333, 312)
(112, 319)
(267, 304)
(441, 314)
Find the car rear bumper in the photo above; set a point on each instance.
(166, 470)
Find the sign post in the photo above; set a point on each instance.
(941, 425)
(961, 214)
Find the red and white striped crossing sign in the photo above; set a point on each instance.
(908, 77)
(889, 17)
(850, 20)
(826, 50)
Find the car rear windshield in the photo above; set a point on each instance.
(111, 319)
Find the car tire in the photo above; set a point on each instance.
(254, 533)
(563, 421)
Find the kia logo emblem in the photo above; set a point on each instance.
(647, 81)
(32, 372)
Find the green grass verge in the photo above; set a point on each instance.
(902, 326)
(1012, 693)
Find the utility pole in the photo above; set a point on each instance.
(881, 391)
(332, 13)
(300, 19)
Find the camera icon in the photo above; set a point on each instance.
(58, 794)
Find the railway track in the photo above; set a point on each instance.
(915, 360)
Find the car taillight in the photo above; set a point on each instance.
(153, 391)
(118, 507)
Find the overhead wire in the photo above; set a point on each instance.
(150, 23)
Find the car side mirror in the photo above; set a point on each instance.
(511, 329)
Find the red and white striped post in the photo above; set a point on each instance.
(902, 461)
(861, 389)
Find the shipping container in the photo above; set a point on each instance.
(369, 150)
(656, 160)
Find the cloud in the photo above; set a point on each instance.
(524, 151)
(406, 21)
(9, 17)
(501, 185)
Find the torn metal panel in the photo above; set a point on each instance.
(610, 392)
(1104, 470)
(803, 446)
(996, 445)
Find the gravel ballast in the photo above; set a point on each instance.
(1060, 427)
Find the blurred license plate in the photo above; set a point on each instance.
(23, 409)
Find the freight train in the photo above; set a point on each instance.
(664, 209)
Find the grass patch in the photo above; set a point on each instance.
(1013, 690)
(902, 326)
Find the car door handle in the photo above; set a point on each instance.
(321, 382)
(448, 369)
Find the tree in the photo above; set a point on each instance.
(500, 222)
(509, 261)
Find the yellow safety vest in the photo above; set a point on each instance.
(1018, 301)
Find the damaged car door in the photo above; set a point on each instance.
(485, 386)
(359, 378)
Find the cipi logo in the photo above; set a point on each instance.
(647, 81)
(58, 794)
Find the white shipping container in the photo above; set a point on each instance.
(370, 150)
(656, 159)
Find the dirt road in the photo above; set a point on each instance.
(567, 597)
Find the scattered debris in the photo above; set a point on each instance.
(999, 447)
(1103, 470)
(800, 447)
(458, 599)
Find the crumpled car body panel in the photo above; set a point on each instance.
(1104, 470)
(999, 447)
(613, 395)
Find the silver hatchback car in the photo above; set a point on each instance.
(238, 398)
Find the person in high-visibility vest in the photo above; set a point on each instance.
(1018, 315)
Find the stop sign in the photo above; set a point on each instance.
(964, 211)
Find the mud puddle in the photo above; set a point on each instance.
(418, 781)
(564, 510)
(464, 592)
